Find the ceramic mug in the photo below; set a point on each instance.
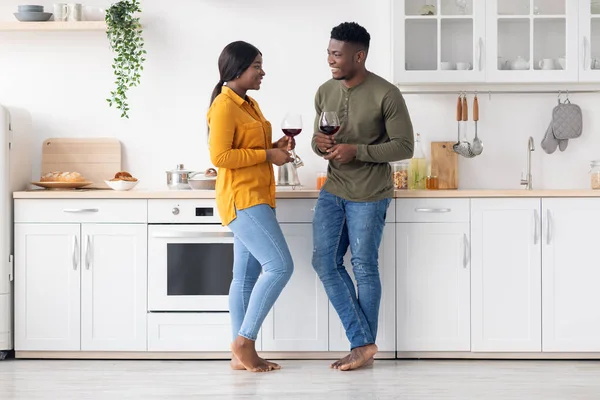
(547, 63)
(75, 12)
(61, 11)
(463, 65)
(446, 65)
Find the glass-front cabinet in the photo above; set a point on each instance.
(532, 40)
(589, 31)
(440, 40)
(464, 41)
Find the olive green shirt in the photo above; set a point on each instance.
(374, 116)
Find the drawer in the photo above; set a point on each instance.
(432, 210)
(190, 332)
(81, 211)
(302, 210)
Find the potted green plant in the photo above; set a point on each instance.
(124, 33)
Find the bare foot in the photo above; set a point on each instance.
(238, 366)
(243, 349)
(359, 357)
(338, 363)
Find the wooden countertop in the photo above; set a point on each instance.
(292, 194)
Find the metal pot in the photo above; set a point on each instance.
(204, 180)
(178, 178)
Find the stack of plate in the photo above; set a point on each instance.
(32, 13)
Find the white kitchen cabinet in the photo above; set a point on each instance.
(433, 277)
(80, 287)
(570, 275)
(447, 46)
(113, 287)
(47, 286)
(506, 276)
(386, 337)
(589, 40)
(299, 319)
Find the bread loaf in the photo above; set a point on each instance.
(62, 177)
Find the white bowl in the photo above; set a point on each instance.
(121, 185)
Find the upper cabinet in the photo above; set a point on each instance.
(439, 40)
(496, 41)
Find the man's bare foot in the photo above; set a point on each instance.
(336, 365)
(243, 349)
(359, 357)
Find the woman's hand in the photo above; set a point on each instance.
(278, 156)
(285, 143)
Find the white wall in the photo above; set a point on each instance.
(63, 79)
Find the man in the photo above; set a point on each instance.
(375, 130)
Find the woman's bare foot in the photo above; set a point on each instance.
(238, 366)
(243, 349)
(359, 357)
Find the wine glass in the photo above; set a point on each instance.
(329, 122)
(292, 126)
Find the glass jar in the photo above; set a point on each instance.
(321, 178)
(595, 174)
(400, 174)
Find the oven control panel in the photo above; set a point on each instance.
(183, 211)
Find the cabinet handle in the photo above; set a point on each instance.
(75, 253)
(88, 251)
(466, 251)
(480, 53)
(433, 210)
(536, 223)
(80, 210)
(584, 52)
(549, 230)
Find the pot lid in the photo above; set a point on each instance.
(180, 170)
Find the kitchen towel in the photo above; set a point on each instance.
(566, 124)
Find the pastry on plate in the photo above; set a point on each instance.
(124, 176)
(60, 176)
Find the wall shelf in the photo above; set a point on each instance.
(53, 26)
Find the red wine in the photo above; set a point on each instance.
(329, 129)
(291, 132)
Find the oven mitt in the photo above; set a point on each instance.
(567, 121)
(549, 142)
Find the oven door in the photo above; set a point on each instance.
(189, 267)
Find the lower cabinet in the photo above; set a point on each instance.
(299, 319)
(433, 282)
(80, 287)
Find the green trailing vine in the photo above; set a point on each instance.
(124, 32)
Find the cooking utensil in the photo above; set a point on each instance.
(178, 178)
(203, 181)
(477, 147)
(462, 147)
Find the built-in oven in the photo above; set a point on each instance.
(190, 257)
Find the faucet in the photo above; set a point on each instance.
(527, 181)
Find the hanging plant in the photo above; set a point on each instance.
(124, 32)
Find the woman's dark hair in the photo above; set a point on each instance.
(235, 58)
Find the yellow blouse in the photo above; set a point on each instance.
(239, 136)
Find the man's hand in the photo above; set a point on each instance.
(324, 142)
(285, 143)
(342, 153)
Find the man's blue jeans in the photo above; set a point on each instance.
(337, 224)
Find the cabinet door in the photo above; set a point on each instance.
(532, 41)
(506, 275)
(438, 41)
(113, 292)
(386, 335)
(47, 287)
(298, 320)
(570, 275)
(433, 274)
(589, 40)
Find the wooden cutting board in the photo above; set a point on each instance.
(97, 159)
(444, 164)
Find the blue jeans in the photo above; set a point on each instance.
(337, 224)
(258, 245)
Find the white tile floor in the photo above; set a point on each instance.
(402, 379)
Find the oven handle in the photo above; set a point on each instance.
(193, 234)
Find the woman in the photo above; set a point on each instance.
(240, 146)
